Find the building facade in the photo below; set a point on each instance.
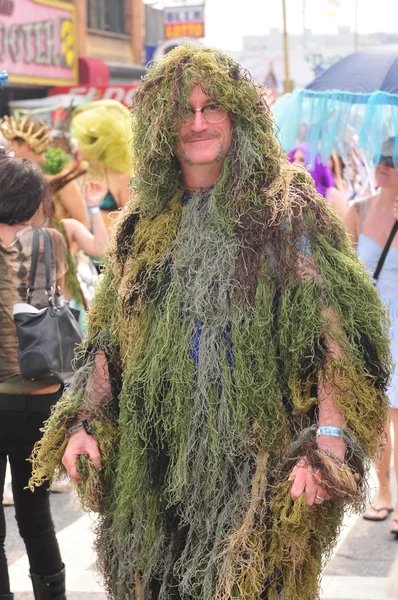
(50, 47)
(113, 32)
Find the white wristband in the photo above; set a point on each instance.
(93, 210)
(328, 430)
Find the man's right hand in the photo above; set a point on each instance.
(79, 443)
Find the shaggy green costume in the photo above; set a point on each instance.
(215, 313)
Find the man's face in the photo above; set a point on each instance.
(202, 143)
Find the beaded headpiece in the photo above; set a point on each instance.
(36, 133)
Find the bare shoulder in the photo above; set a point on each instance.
(118, 176)
(70, 186)
(124, 176)
(357, 209)
(354, 218)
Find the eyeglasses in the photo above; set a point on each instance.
(212, 113)
(388, 161)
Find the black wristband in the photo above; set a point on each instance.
(81, 425)
(87, 427)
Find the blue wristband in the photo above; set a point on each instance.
(93, 210)
(329, 430)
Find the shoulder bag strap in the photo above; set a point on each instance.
(34, 261)
(47, 261)
(385, 251)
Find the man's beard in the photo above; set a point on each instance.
(221, 153)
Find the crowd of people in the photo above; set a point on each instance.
(237, 368)
(45, 184)
(369, 219)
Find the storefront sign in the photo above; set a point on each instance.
(184, 21)
(38, 42)
(121, 93)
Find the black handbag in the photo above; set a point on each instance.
(47, 338)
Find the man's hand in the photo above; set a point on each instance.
(307, 481)
(79, 443)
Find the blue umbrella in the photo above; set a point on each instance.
(364, 72)
(356, 98)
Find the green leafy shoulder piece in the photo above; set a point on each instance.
(55, 160)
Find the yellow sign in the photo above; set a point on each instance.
(176, 30)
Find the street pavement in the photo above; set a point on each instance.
(359, 568)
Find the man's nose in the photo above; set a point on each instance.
(199, 122)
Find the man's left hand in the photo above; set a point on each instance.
(306, 480)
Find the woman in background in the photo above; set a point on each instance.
(25, 405)
(369, 222)
(323, 178)
(103, 132)
(337, 166)
(31, 138)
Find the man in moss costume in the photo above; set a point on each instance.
(236, 360)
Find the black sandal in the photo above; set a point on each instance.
(388, 510)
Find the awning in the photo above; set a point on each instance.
(93, 72)
(126, 73)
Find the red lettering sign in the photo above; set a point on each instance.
(121, 93)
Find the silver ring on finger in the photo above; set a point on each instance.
(320, 497)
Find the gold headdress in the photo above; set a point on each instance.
(36, 133)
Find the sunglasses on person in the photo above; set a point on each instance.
(388, 161)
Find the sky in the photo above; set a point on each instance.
(227, 21)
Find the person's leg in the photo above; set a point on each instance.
(4, 579)
(22, 418)
(394, 421)
(8, 498)
(32, 511)
(381, 508)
